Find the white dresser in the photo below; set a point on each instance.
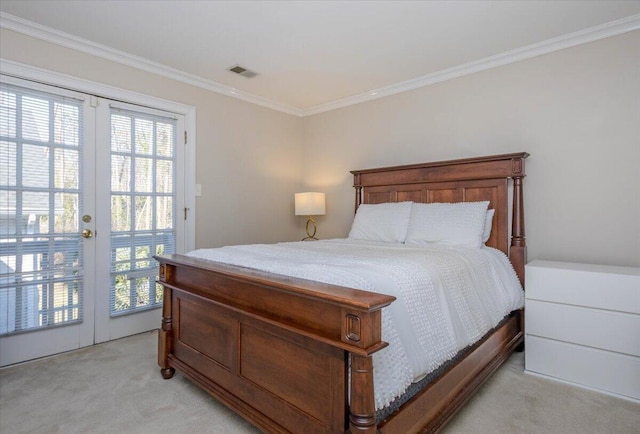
(582, 325)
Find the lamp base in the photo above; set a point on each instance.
(311, 236)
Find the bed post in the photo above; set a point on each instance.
(362, 411)
(165, 334)
(358, 187)
(518, 249)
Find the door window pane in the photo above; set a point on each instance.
(166, 138)
(144, 175)
(120, 133)
(35, 119)
(66, 124)
(35, 166)
(66, 169)
(8, 157)
(66, 213)
(120, 213)
(8, 114)
(120, 173)
(144, 136)
(164, 176)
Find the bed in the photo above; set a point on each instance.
(293, 355)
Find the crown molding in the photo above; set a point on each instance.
(591, 34)
(83, 45)
(19, 70)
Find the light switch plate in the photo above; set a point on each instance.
(198, 190)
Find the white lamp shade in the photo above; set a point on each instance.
(310, 204)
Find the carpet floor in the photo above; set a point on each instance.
(116, 387)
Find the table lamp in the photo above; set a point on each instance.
(310, 204)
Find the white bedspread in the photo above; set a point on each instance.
(447, 297)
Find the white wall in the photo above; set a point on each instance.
(248, 157)
(576, 111)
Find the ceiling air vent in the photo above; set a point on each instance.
(243, 71)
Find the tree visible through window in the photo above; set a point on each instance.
(142, 206)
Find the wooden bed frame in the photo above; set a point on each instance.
(278, 350)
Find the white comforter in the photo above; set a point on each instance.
(447, 297)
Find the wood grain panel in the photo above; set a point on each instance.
(409, 195)
(266, 358)
(381, 197)
(212, 336)
(475, 194)
(444, 195)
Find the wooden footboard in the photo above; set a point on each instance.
(276, 351)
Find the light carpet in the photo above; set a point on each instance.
(116, 387)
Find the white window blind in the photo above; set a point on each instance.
(40, 204)
(143, 206)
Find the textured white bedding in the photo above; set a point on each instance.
(447, 297)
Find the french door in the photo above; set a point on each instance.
(89, 192)
(139, 156)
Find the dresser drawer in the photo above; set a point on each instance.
(597, 328)
(599, 286)
(603, 370)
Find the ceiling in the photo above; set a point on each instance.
(312, 55)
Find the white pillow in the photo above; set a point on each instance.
(488, 223)
(381, 222)
(460, 224)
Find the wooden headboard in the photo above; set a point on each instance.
(465, 180)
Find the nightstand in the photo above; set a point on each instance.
(582, 325)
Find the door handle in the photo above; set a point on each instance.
(87, 233)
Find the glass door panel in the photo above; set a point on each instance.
(143, 201)
(42, 258)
